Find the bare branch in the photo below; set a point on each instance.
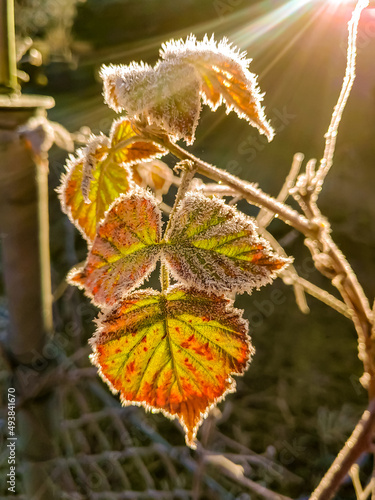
(358, 443)
(347, 84)
(265, 217)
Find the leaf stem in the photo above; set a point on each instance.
(189, 170)
(164, 278)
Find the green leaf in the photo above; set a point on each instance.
(173, 352)
(214, 247)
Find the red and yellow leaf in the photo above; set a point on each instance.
(174, 352)
(109, 180)
(98, 175)
(125, 250)
(225, 77)
(212, 246)
(127, 149)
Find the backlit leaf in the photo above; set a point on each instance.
(166, 95)
(126, 149)
(98, 175)
(124, 251)
(110, 179)
(225, 77)
(154, 174)
(172, 352)
(212, 246)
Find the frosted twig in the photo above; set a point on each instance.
(265, 217)
(357, 444)
(347, 84)
(323, 296)
(288, 275)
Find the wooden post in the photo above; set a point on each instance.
(25, 252)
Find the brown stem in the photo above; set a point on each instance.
(248, 191)
(358, 443)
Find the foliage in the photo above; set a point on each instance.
(176, 350)
(208, 246)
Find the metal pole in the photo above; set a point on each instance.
(8, 69)
(25, 244)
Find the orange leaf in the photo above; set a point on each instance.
(166, 95)
(109, 180)
(153, 174)
(173, 352)
(225, 77)
(98, 175)
(124, 251)
(127, 149)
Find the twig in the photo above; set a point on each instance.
(323, 296)
(357, 444)
(347, 84)
(235, 472)
(248, 191)
(265, 217)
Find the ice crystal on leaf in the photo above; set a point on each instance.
(214, 247)
(99, 174)
(124, 251)
(210, 246)
(168, 94)
(173, 352)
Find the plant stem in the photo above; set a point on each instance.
(164, 278)
(347, 85)
(357, 444)
(248, 191)
(189, 170)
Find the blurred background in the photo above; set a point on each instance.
(301, 396)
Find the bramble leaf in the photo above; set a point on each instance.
(98, 175)
(130, 153)
(166, 95)
(109, 180)
(212, 246)
(154, 174)
(124, 251)
(173, 352)
(225, 77)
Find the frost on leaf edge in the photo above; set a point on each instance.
(190, 197)
(77, 269)
(228, 307)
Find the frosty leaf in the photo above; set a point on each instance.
(212, 246)
(225, 77)
(166, 95)
(172, 352)
(153, 174)
(124, 251)
(98, 175)
(126, 149)
(109, 180)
